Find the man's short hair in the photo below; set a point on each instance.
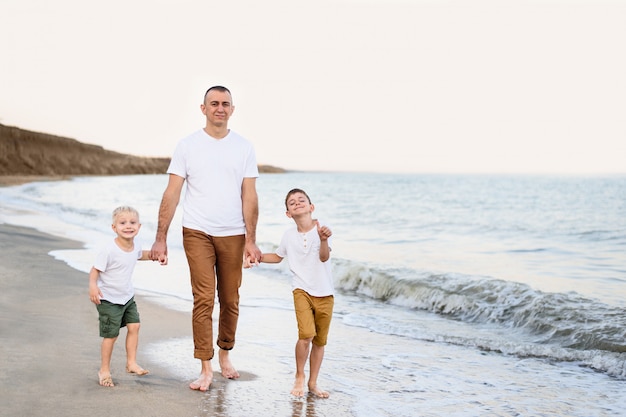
(218, 88)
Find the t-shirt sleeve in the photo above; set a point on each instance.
(177, 163)
(102, 259)
(282, 247)
(138, 250)
(252, 168)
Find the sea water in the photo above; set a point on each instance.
(471, 294)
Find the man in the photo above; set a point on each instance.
(220, 213)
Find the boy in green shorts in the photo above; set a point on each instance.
(307, 249)
(111, 290)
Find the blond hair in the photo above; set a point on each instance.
(124, 209)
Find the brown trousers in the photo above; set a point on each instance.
(214, 262)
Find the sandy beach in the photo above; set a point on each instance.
(50, 345)
(381, 360)
(50, 350)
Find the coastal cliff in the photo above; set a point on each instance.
(28, 153)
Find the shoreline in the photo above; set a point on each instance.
(51, 347)
(10, 180)
(369, 370)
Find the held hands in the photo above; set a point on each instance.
(252, 258)
(252, 255)
(159, 252)
(162, 260)
(249, 262)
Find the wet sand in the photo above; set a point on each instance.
(50, 350)
(50, 346)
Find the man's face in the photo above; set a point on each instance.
(218, 107)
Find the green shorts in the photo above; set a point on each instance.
(115, 316)
(313, 315)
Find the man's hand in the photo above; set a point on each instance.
(159, 252)
(252, 253)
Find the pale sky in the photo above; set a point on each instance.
(500, 86)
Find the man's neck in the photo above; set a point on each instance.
(217, 132)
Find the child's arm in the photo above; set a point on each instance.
(94, 292)
(324, 233)
(145, 256)
(324, 250)
(271, 258)
(268, 258)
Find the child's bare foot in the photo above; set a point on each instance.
(104, 379)
(298, 387)
(313, 389)
(228, 371)
(136, 369)
(203, 383)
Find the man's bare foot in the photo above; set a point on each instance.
(313, 389)
(104, 379)
(136, 369)
(203, 383)
(298, 387)
(228, 371)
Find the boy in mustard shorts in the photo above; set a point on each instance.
(307, 249)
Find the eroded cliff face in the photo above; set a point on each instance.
(23, 152)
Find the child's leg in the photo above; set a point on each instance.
(302, 353)
(106, 352)
(317, 356)
(132, 341)
(323, 317)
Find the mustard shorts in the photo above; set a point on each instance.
(313, 315)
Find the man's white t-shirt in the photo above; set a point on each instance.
(214, 170)
(116, 268)
(302, 252)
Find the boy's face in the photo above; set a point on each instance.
(298, 204)
(126, 225)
